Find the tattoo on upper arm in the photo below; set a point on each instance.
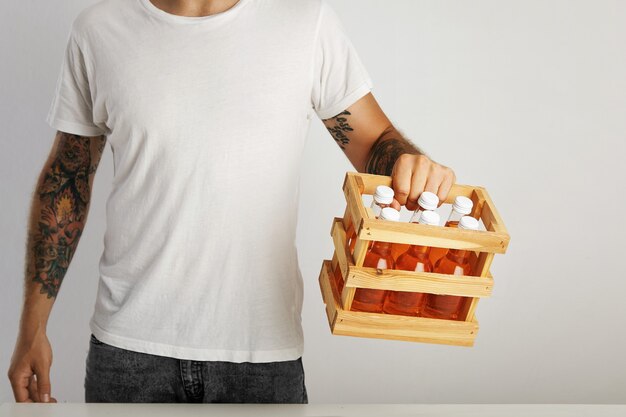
(63, 194)
(385, 152)
(338, 131)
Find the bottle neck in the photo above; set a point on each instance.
(418, 250)
(378, 207)
(458, 255)
(382, 248)
(417, 214)
(454, 217)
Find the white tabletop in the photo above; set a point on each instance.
(310, 410)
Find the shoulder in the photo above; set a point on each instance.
(95, 15)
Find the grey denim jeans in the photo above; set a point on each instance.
(119, 375)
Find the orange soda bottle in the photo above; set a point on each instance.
(379, 257)
(427, 201)
(456, 262)
(416, 258)
(383, 196)
(462, 206)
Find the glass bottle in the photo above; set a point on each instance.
(456, 262)
(379, 257)
(426, 201)
(408, 303)
(383, 196)
(462, 206)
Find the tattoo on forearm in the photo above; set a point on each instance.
(64, 194)
(385, 152)
(341, 127)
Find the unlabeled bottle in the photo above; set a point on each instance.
(379, 257)
(426, 201)
(383, 197)
(407, 303)
(462, 206)
(456, 262)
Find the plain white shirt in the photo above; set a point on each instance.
(206, 118)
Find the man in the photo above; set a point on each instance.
(206, 105)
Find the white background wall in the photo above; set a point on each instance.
(527, 98)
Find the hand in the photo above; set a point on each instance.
(29, 372)
(413, 174)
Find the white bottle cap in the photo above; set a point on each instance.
(462, 205)
(389, 213)
(468, 222)
(428, 200)
(429, 217)
(383, 194)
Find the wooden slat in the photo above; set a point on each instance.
(352, 192)
(347, 296)
(441, 237)
(477, 206)
(360, 250)
(334, 263)
(347, 218)
(479, 196)
(344, 261)
(387, 326)
(327, 293)
(370, 182)
(483, 266)
(427, 282)
(491, 213)
(414, 329)
(341, 248)
(458, 190)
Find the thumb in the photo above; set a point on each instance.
(43, 383)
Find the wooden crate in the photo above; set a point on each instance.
(484, 244)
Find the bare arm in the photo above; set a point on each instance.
(374, 145)
(57, 218)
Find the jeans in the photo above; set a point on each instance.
(119, 375)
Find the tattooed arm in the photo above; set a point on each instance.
(374, 145)
(57, 218)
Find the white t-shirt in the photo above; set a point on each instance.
(206, 118)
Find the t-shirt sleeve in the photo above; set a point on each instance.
(340, 78)
(71, 107)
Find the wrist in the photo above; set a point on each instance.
(35, 313)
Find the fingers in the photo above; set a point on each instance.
(33, 394)
(43, 383)
(418, 182)
(444, 188)
(19, 384)
(401, 179)
(414, 174)
(396, 204)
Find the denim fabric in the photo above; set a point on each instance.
(119, 375)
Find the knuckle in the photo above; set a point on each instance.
(403, 192)
(404, 159)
